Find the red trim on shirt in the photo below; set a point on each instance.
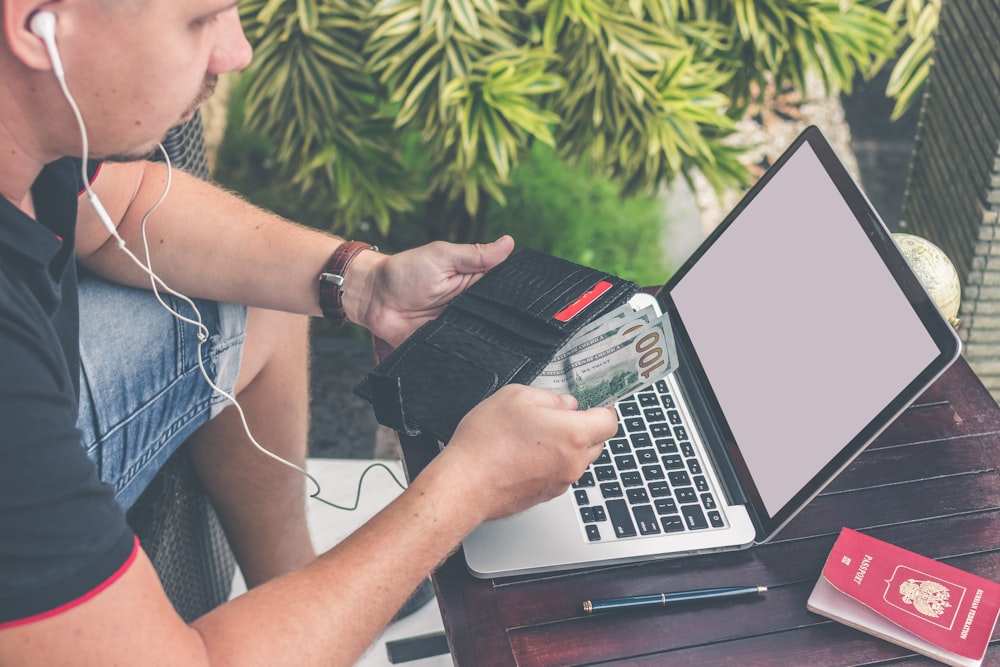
(83, 598)
(92, 179)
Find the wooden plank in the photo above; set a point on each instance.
(843, 646)
(623, 635)
(556, 597)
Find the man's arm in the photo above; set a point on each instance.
(204, 241)
(329, 612)
(209, 243)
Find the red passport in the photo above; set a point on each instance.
(914, 601)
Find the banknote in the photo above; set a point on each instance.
(606, 328)
(621, 353)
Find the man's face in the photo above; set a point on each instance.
(139, 67)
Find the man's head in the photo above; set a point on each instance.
(135, 68)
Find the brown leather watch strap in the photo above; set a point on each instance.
(331, 280)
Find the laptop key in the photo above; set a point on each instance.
(661, 430)
(586, 479)
(677, 478)
(619, 447)
(599, 513)
(671, 524)
(587, 515)
(668, 401)
(666, 446)
(675, 417)
(581, 497)
(700, 483)
(593, 532)
(632, 478)
(694, 517)
(687, 449)
(707, 501)
(625, 462)
(672, 462)
(603, 459)
(694, 465)
(611, 490)
(633, 424)
(659, 489)
(686, 495)
(715, 519)
(621, 518)
(647, 399)
(605, 473)
(652, 473)
(665, 506)
(628, 409)
(641, 440)
(653, 415)
(646, 520)
(637, 496)
(646, 456)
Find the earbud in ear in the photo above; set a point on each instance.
(43, 24)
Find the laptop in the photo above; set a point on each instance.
(801, 334)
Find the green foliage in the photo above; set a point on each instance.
(568, 212)
(381, 107)
(915, 43)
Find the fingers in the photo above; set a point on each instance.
(482, 257)
(594, 424)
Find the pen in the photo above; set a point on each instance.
(662, 599)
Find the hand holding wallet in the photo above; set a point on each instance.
(501, 330)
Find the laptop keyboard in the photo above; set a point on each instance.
(649, 480)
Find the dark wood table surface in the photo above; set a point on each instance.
(929, 483)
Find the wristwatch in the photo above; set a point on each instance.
(331, 280)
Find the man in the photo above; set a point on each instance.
(75, 587)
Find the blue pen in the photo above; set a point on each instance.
(663, 599)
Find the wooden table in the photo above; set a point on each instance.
(929, 483)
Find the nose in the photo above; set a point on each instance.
(233, 51)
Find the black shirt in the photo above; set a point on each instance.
(62, 534)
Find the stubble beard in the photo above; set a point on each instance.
(207, 89)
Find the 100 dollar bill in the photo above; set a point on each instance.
(613, 359)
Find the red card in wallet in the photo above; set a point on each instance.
(911, 600)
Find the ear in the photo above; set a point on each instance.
(21, 42)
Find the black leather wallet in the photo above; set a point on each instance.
(502, 329)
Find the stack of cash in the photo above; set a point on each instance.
(612, 357)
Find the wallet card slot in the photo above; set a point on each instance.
(480, 350)
(498, 321)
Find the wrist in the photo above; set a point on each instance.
(344, 281)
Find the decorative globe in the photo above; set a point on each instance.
(934, 271)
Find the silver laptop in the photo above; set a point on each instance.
(801, 334)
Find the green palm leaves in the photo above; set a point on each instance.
(380, 103)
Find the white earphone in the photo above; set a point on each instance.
(43, 24)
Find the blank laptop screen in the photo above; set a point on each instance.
(802, 332)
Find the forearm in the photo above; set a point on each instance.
(204, 242)
(334, 608)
